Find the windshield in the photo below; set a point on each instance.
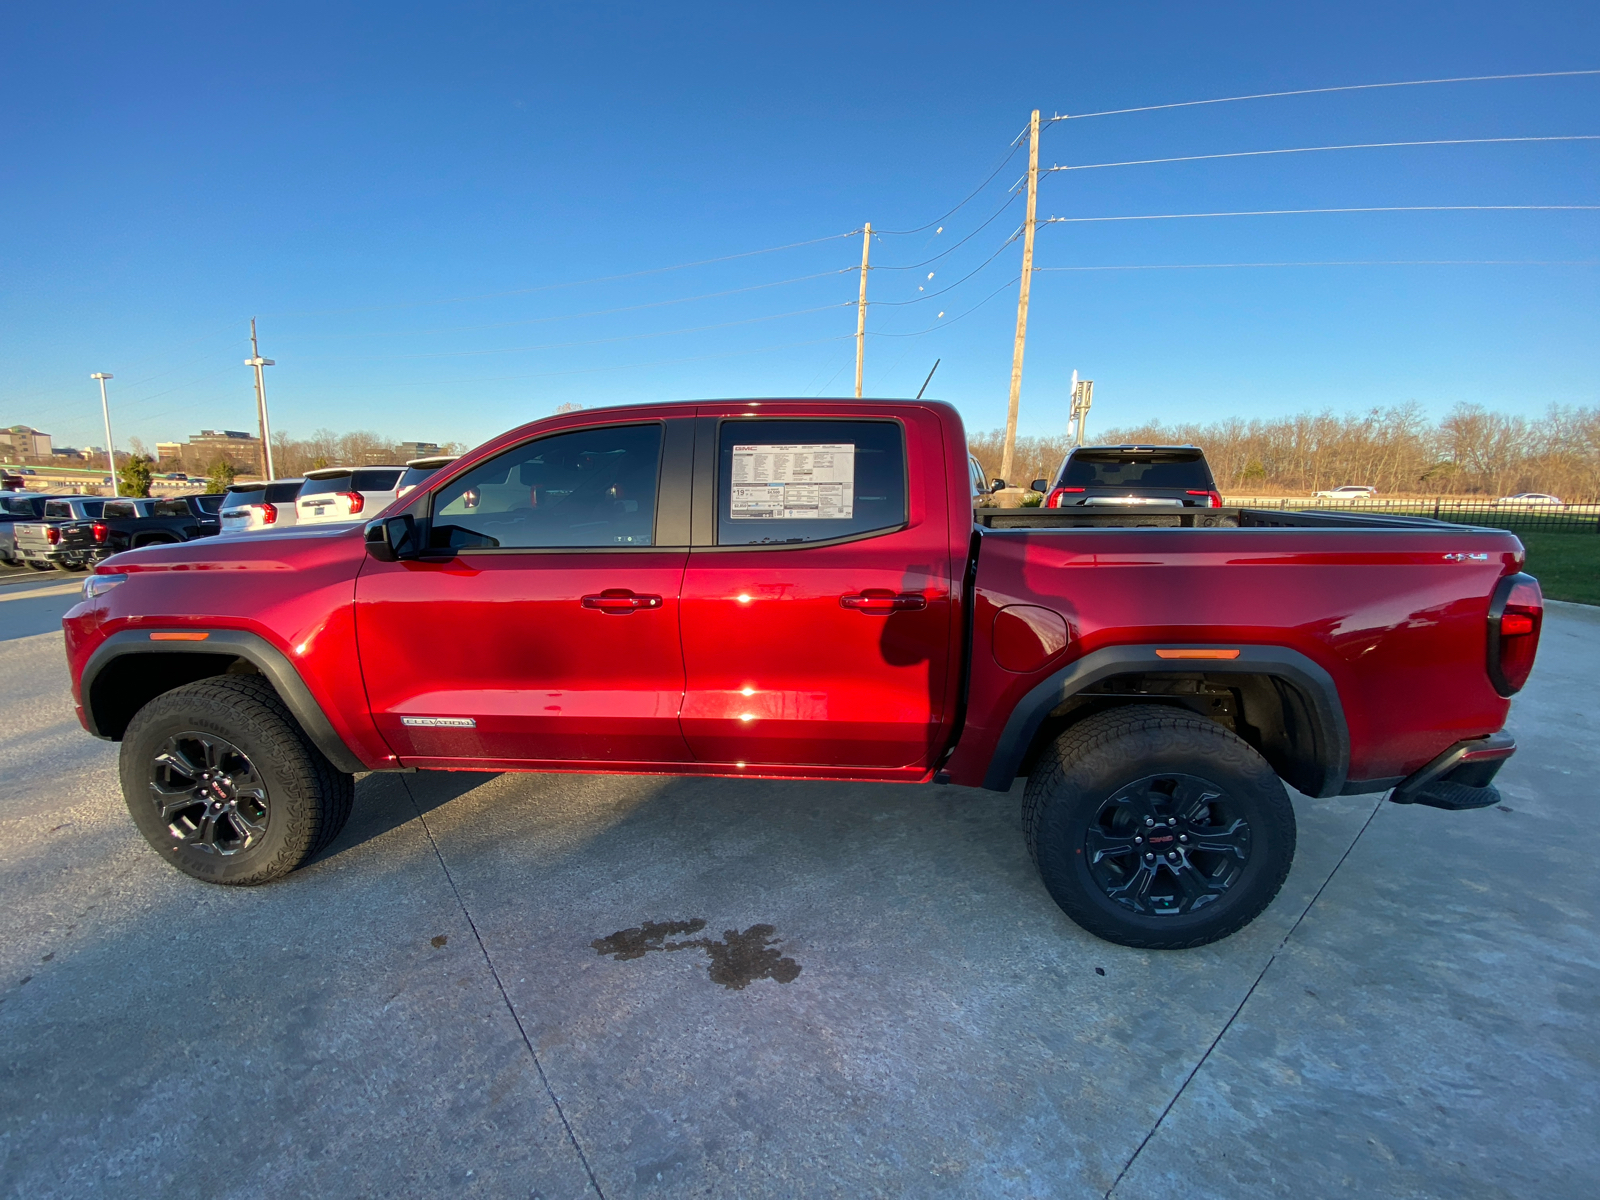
(1119, 469)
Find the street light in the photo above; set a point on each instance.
(105, 411)
(255, 360)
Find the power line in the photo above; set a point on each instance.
(1352, 87)
(925, 262)
(1365, 262)
(832, 237)
(1140, 162)
(953, 286)
(1279, 212)
(969, 312)
(1000, 166)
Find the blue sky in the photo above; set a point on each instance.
(410, 196)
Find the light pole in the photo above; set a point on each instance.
(105, 411)
(255, 360)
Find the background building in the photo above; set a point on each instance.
(205, 449)
(24, 442)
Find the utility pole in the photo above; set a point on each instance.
(861, 308)
(1022, 299)
(255, 360)
(105, 411)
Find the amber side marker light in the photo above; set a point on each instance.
(1197, 654)
(179, 637)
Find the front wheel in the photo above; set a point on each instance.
(1158, 829)
(225, 785)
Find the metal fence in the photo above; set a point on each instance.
(1568, 518)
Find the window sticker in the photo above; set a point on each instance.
(786, 482)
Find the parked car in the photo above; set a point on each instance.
(17, 507)
(419, 469)
(801, 589)
(131, 523)
(1132, 476)
(337, 494)
(249, 506)
(1532, 499)
(62, 537)
(1347, 491)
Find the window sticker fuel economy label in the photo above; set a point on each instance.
(785, 482)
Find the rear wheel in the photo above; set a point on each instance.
(1157, 829)
(225, 785)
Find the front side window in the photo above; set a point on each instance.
(587, 488)
(791, 482)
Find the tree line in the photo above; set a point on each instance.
(1469, 452)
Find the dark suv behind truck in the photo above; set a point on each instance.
(1132, 476)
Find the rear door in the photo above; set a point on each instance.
(818, 595)
(545, 629)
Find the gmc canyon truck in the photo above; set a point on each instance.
(802, 589)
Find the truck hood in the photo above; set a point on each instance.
(278, 548)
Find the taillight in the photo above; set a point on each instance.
(357, 501)
(1055, 497)
(1516, 613)
(1213, 499)
(52, 535)
(269, 513)
(100, 531)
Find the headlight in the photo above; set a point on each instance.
(99, 585)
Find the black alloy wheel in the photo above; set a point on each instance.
(208, 794)
(1157, 828)
(225, 785)
(1167, 844)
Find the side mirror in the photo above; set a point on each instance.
(997, 484)
(1039, 485)
(394, 538)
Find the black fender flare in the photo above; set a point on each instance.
(234, 643)
(1330, 732)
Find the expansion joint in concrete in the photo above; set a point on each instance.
(505, 996)
(1228, 1024)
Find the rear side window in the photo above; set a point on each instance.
(280, 493)
(587, 488)
(170, 508)
(791, 482)
(1111, 469)
(326, 486)
(376, 481)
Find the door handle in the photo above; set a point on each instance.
(881, 601)
(620, 601)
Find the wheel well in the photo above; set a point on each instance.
(1267, 711)
(129, 682)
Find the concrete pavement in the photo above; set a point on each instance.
(425, 1009)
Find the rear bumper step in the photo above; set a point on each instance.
(1460, 778)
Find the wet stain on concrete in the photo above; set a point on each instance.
(737, 960)
(438, 943)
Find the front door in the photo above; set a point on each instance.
(817, 629)
(550, 635)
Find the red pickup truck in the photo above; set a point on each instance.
(802, 589)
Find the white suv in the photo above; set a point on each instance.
(337, 494)
(418, 469)
(249, 506)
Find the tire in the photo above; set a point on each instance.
(224, 784)
(41, 566)
(1149, 781)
